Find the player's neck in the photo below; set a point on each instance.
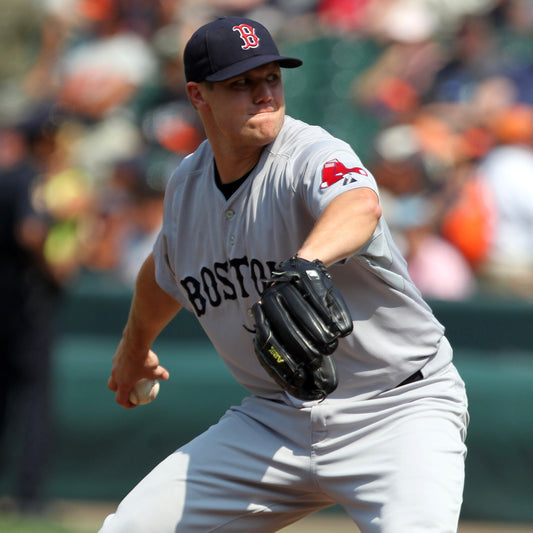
(227, 189)
(232, 167)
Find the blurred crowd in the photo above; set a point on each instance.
(453, 94)
(92, 103)
(94, 118)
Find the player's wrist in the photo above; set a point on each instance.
(306, 254)
(135, 344)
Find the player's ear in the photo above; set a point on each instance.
(195, 94)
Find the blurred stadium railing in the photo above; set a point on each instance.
(99, 450)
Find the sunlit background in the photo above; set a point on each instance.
(435, 96)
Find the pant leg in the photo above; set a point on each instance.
(25, 400)
(238, 476)
(32, 406)
(401, 468)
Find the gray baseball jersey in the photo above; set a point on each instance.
(394, 461)
(213, 254)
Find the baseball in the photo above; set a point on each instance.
(144, 391)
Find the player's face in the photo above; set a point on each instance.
(247, 110)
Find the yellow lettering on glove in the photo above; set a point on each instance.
(275, 354)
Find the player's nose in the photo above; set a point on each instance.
(263, 92)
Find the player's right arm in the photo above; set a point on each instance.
(150, 311)
(346, 224)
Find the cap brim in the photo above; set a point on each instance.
(253, 62)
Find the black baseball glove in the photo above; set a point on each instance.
(298, 321)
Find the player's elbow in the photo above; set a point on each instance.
(369, 208)
(374, 208)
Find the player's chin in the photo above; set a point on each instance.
(266, 125)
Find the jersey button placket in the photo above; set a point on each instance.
(230, 214)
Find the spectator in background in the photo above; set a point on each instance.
(473, 55)
(146, 218)
(443, 68)
(129, 219)
(394, 84)
(30, 290)
(103, 72)
(411, 196)
(436, 266)
(346, 16)
(507, 171)
(21, 23)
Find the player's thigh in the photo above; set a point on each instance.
(426, 484)
(408, 471)
(237, 476)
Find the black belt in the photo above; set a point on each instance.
(417, 376)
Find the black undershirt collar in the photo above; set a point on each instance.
(228, 189)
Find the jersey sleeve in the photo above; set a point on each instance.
(164, 274)
(329, 174)
(163, 252)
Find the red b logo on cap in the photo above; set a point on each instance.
(247, 33)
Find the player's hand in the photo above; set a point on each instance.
(298, 322)
(128, 368)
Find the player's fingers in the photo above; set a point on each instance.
(112, 384)
(161, 373)
(122, 398)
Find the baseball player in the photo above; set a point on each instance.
(273, 237)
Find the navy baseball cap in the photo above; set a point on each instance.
(228, 47)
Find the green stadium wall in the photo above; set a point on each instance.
(99, 450)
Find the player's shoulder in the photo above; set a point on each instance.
(300, 138)
(307, 148)
(192, 165)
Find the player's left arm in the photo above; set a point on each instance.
(301, 315)
(151, 310)
(346, 224)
